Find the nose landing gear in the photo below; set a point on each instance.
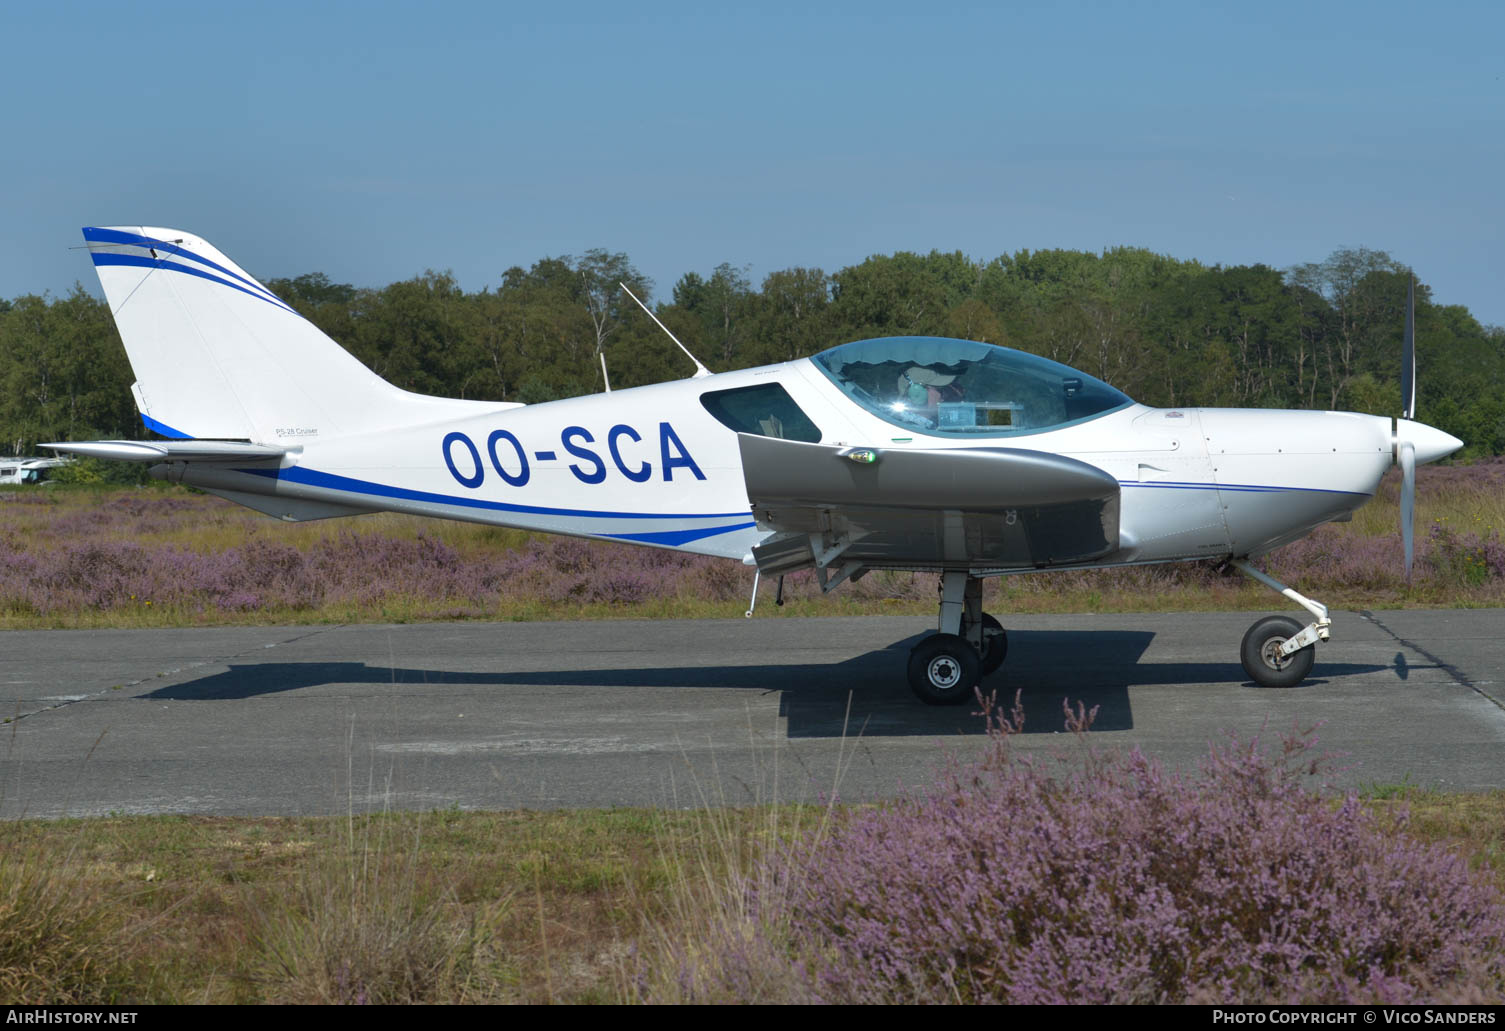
(1263, 658)
(1278, 651)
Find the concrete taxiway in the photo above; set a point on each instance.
(299, 720)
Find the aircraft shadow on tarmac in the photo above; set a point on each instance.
(1094, 667)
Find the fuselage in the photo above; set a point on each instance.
(653, 465)
(921, 453)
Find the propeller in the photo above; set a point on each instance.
(1406, 456)
(1405, 451)
(1413, 443)
(1408, 357)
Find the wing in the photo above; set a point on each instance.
(979, 508)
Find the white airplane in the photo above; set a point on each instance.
(913, 453)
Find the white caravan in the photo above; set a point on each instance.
(28, 471)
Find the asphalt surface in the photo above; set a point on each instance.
(302, 720)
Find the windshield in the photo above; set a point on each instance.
(964, 388)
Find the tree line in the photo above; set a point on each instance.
(1324, 335)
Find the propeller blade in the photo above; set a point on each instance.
(1408, 357)
(1407, 499)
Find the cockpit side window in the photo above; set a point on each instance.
(964, 388)
(765, 410)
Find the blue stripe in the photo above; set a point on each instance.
(133, 240)
(1241, 487)
(164, 429)
(330, 481)
(172, 266)
(674, 538)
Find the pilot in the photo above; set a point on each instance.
(921, 390)
(924, 387)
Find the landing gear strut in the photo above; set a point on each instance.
(1278, 651)
(946, 667)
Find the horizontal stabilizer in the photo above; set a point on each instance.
(169, 451)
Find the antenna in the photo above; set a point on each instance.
(604, 376)
(700, 370)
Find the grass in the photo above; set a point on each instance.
(167, 556)
(441, 906)
(56, 933)
(564, 907)
(585, 906)
(1473, 823)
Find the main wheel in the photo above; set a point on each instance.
(1261, 653)
(944, 669)
(995, 644)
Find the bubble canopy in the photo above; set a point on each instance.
(963, 388)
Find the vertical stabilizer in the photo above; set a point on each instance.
(217, 355)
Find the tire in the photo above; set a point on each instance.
(995, 640)
(944, 670)
(1258, 653)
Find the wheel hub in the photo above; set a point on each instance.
(945, 672)
(1271, 654)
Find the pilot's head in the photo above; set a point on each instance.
(921, 384)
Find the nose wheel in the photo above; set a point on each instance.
(1278, 651)
(1264, 659)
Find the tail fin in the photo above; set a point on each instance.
(219, 356)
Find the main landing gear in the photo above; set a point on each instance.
(946, 667)
(1278, 651)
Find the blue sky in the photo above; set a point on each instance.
(371, 141)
